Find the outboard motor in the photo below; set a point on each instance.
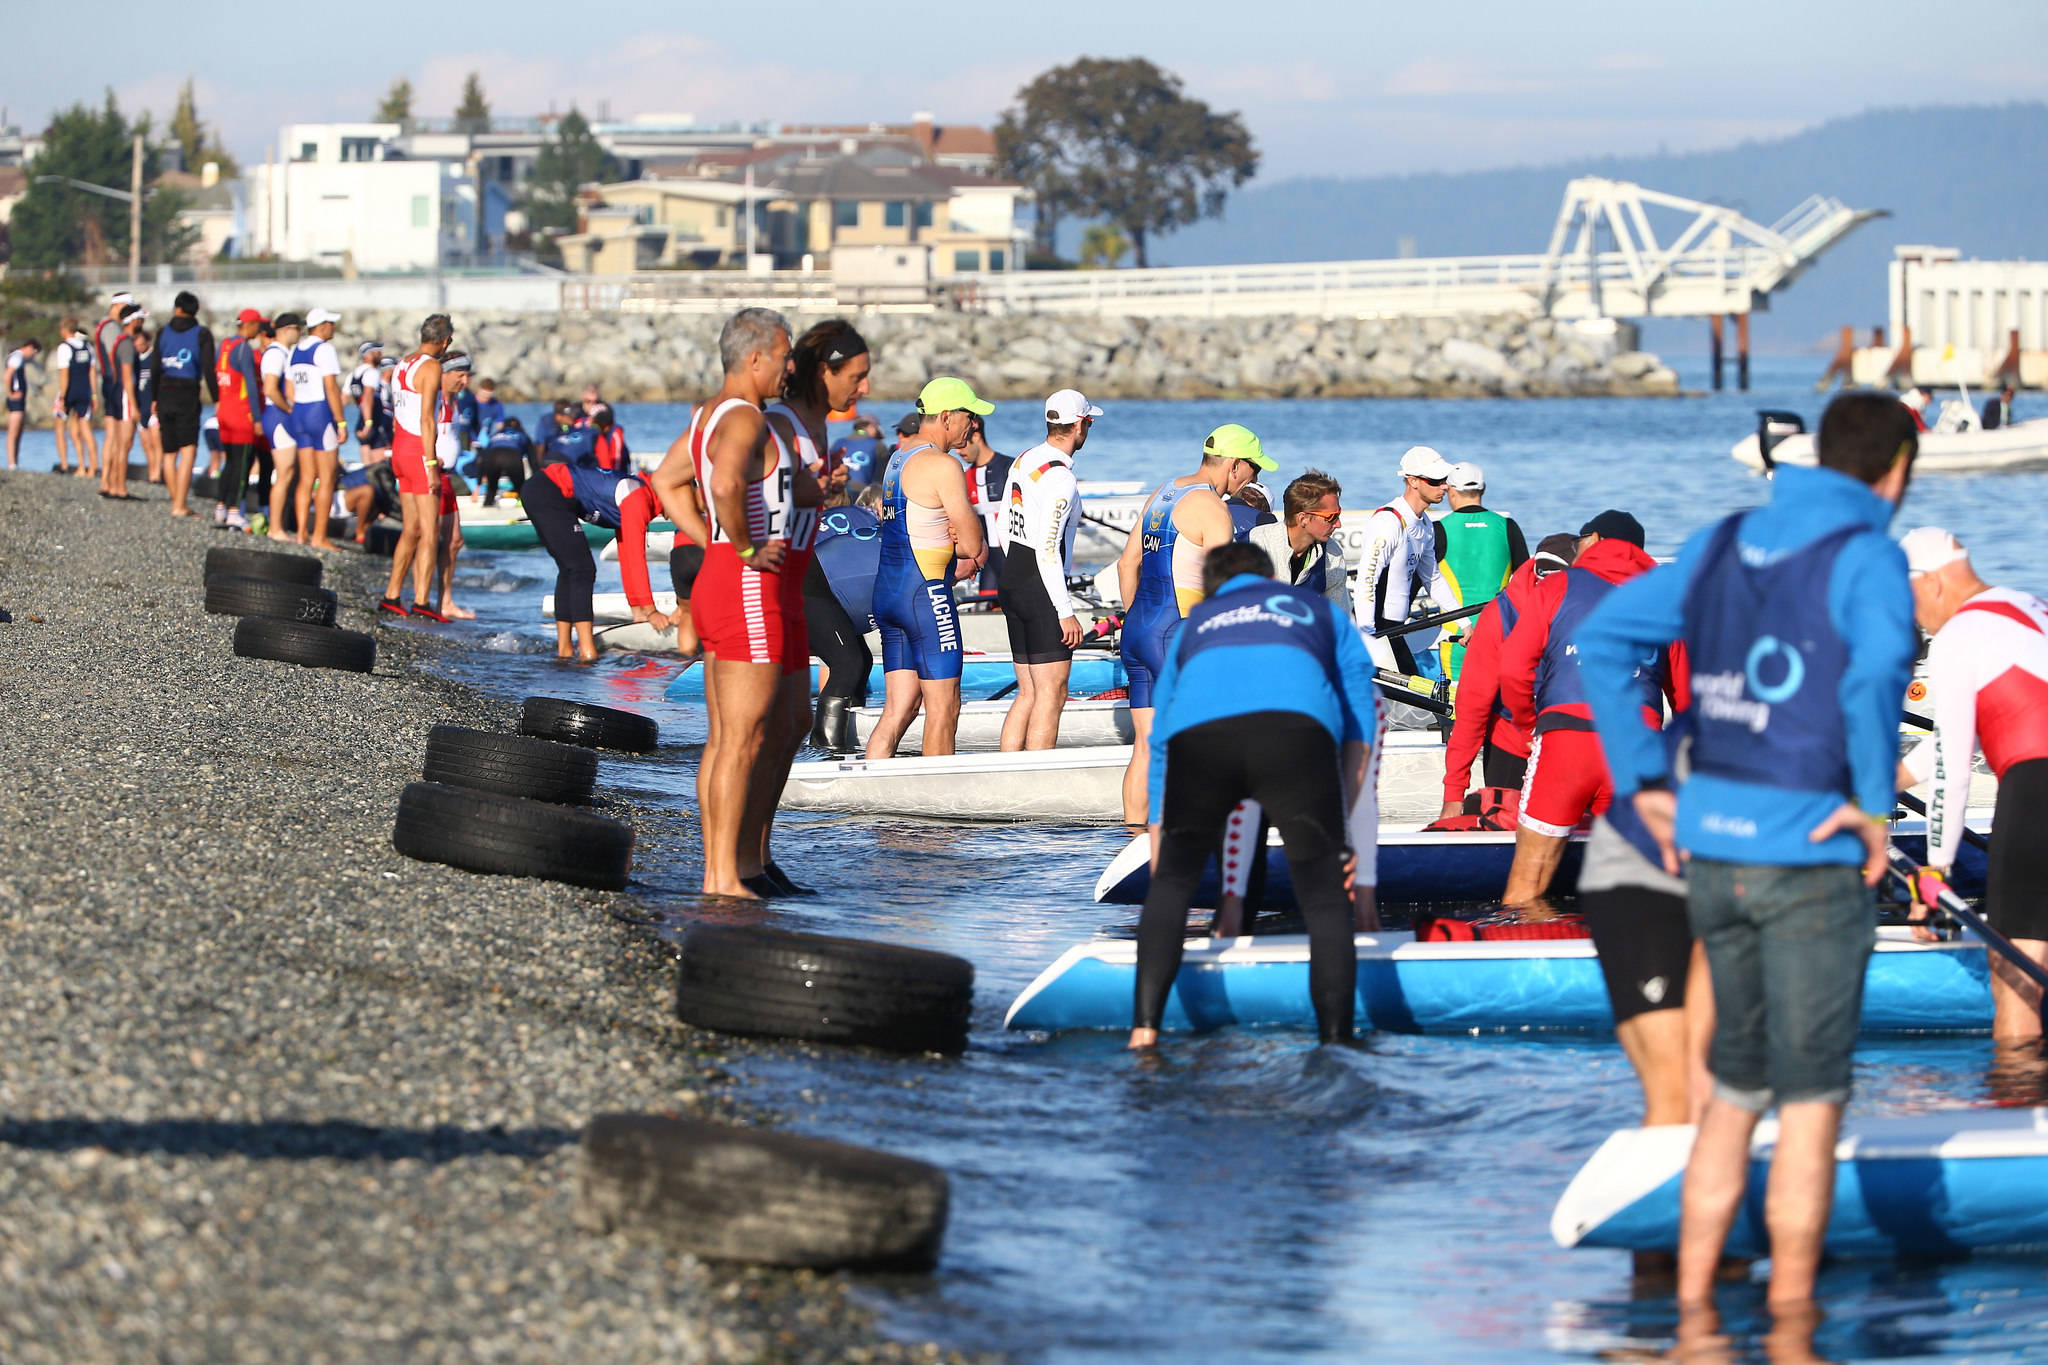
(1772, 427)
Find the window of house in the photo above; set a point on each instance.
(724, 217)
(846, 213)
(996, 259)
(924, 214)
(893, 213)
(419, 210)
(309, 151)
(966, 261)
(359, 149)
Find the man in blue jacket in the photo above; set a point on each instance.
(1797, 619)
(1267, 693)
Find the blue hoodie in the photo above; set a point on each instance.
(1870, 604)
(1225, 678)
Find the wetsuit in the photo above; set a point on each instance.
(1169, 582)
(560, 499)
(1259, 694)
(839, 599)
(914, 582)
(112, 403)
(1042, 502)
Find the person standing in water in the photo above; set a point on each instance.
(1042, 506)
(415, 435)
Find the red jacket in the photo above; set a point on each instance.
(1480, 715)
(1521, 652)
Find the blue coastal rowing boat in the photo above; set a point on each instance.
(1488, 986)
(1924, 1185)
(980, 675)
(1419, 866)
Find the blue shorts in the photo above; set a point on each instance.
(1147, 634)
(919, 628)
(17, 405)
(78, 407)
(355, 478)
(277, 428)
(312, 426)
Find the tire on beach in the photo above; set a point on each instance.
(295, 642)
(774, 983)
(510, 765)
(233, 596)
(769, 1198)
(593, 727)
(229, 561)
(511, 836)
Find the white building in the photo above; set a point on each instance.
(341, 200)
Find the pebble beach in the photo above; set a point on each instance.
(272, 1091)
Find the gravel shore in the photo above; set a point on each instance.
(271, 1091)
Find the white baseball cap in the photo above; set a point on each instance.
(1068, 405)
(1929, 548)
(1467, 477)
(1424, 463)
(318, 316)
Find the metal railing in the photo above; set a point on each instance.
(696, 291)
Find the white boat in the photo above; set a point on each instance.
(981, 632)
(2023, 445)
(1084, 784)
(1084, 722)
(1921, 1185)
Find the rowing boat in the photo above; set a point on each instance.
(979, 675)
(981, 632)
(2020, 446)
(1419, 866)
(1487, 986)
(1071, 784)
(1084, 722)
(1919, 1185)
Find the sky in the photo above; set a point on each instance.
(1326, 88)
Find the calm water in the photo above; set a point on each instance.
(1252, 1197)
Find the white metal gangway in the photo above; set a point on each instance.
(1720, 263)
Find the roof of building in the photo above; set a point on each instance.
(844, 178)
(688, 187)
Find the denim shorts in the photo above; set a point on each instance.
(1788, 947)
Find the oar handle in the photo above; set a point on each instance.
(1959, 910)
(1919, 807)
(1400, 687)
(1425, 622)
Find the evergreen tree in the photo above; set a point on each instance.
(58, 225)
(566, 163)
(473, 115)
(396, 106)
(195, 147)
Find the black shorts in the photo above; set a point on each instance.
(2016, 884)
(78, 407)
(1033, 620)
(17, 405)
(684, 560)
(1645, 947)
(177, 410)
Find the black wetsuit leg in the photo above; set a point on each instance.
(561, 533)
(1288, 763)
(835, 639)
(494, 463)
(234, 472)
(1501, 768)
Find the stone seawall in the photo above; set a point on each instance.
(672, 357)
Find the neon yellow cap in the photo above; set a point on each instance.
(947, 394)
(1233, 442)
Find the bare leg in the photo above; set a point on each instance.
(1017, 720)
(901, 697)
(687, 642)
(1656, 1046)
(2016, 1001)
(1536, 859)
(1137, 775)
(329, 464)
(178, 469)
(414, 509)
(360, 502)
(741, 699)
(14, 425)
(61, 429)
(285, 461)
(1048, 700)
(88, 445)
(430, 543)
(114, 459)
(1800, 1196)
(1699, 1033)
(1715, 1178)
(941, 715)
(788, 722)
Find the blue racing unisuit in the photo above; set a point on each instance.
(913, 598)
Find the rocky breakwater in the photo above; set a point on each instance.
(649, 357)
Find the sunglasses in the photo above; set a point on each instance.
(1334, 518)
(1433, 483)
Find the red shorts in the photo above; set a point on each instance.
(1567, 782)
(409, 463)
(447, 493)
(746, 615)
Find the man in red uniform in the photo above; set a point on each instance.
(1483, 729)
(1567, 780)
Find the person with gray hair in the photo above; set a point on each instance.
(415, 434)
(1303, 544)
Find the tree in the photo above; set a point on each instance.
(473, 115)
(56, 225)
(31, 304)
(1117, 139)
(396, 106)
(572, 159)
(195, 148)
(1103, 246)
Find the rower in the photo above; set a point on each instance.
(1043, 501)
(1567, 777)
(1987, 674)
(1250, 507)
(1476, 551)
(848, 555)
(1160, 574)
(1268, 694)
(930, 533)
(1400, 558)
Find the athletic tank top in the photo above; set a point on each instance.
(767, 498)
(307, 388)
(1170, 569)
(803, 521)
(78, 380)
(911, 526)
(17, 374)
(1475, 554)
(407, 428)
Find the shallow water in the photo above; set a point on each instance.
(1252, 1197)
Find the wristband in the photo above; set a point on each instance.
(747, 555)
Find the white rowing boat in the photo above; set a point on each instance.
(2023, 445)
(981, 632)
(1084, 722)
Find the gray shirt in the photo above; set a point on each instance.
(1272, 538)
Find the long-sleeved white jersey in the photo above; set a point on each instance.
(1041, 512)
(1399, 559)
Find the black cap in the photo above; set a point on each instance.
(910, 424)
(1613, 525)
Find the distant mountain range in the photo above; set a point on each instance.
(1967, 177)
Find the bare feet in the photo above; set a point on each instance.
(329, 545)
(451, 611)
(1143, 1038)
(180, 512)
(281, 537)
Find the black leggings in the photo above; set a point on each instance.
(1288, 763)
(560, 524)
(234, 472)
(836, 640)
(494, 463)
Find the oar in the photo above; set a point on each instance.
(1959, 910)
(1402, 688)
(1425, 622)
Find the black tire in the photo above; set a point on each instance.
(485, 832)
(510, 765)
(228, 596)
(769, 1198)
(593, 727)
(773, 983)
(295, 642)
(230, 561)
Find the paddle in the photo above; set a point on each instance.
(1425, 622)
(1958, 909)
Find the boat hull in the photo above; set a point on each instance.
(978, 676)
(1083, 724)
(1061, 785)
(1925, 1185)
(2023, 445)
(1484, 987)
